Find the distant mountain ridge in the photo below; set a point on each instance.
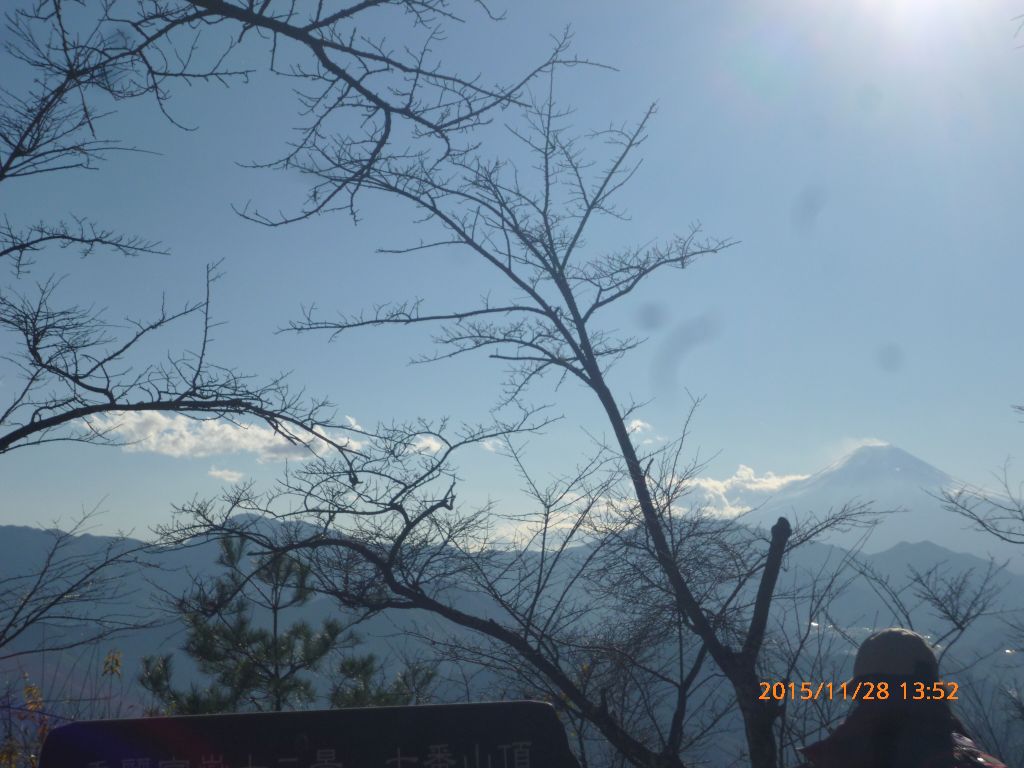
(923, 536)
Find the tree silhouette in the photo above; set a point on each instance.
(391, 535)
(67, 65)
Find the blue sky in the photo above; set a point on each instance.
(866, 154)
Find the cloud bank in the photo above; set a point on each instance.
(227, 475)
(741, 492)
(181, 437)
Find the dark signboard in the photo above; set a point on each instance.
(518, 734)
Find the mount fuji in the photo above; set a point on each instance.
(900, 485)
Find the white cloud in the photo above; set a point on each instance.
(720, 505)
(353, 423)
(563, 519)
(491, 444)
(180, 437)
(746, 479)
(227, 475)
(739, 493)
(427, 444)
(638, 425)
(863, 441)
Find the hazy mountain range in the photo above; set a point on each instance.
(920, 536)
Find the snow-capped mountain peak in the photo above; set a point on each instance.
(871, 461)
(905, 489)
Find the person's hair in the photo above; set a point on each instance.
(903, 733)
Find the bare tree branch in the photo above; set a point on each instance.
(627, 607)
(79, 596)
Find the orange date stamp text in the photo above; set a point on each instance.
(863, 690)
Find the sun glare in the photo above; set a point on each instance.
(918, 22)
